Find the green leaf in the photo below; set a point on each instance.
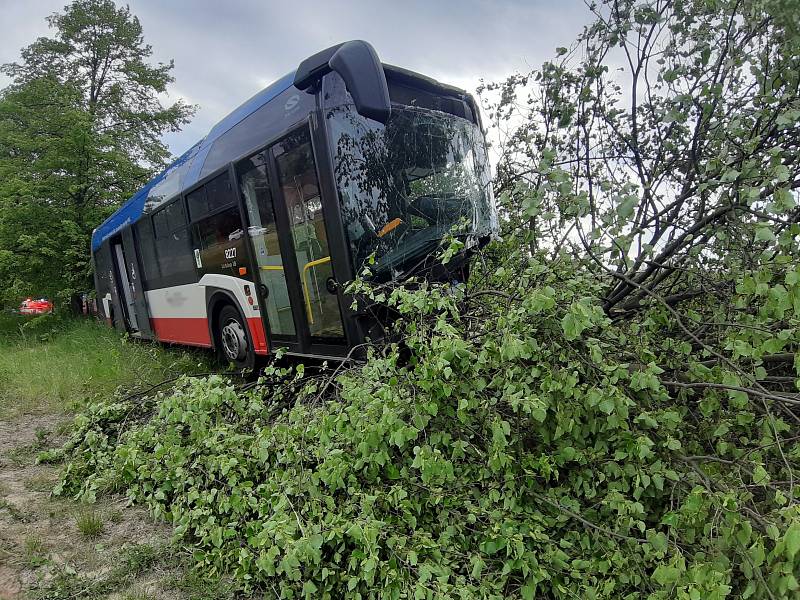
(666, 574)
(788, 117)
(658, 541)
(782, 173)
(764, 233)
(730, 175)
(528, 591)
(760, 475)
(607, 405)
(309, 589)
(792, 539)
(216, 536)
(625, 208)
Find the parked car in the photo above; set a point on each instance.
(42, 306)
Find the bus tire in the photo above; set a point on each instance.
(234, 344)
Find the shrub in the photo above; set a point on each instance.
(526, 445)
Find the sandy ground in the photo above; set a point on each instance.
(39, 536)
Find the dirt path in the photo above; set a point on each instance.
(63, 549)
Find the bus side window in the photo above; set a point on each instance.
(198, 203)
(211, 197)
(147, 248)
(217, 230)
(220, 240)
(175, 259)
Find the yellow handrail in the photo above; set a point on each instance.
(306, 293)
(308, 265)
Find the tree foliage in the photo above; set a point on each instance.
(609, 409)
(663, 144)
(80, 131)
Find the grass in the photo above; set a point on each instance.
(167, 570)
(10, 323)
(130, 563)
(34, 552)
(53, 365)
(49, 367)
(90, 524)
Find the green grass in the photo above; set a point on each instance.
(90, 524)
(67, 584)
(50, 364)
(10, 323)
(34, 552)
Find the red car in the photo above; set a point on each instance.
(42, 306)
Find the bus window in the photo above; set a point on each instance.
(219, 242)
(197, 203)
(264, 237)
(147, 248)
(212, 196)
(172, 246)
(298, 183)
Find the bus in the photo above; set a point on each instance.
(246, 242)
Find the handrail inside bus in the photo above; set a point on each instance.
(306, 293)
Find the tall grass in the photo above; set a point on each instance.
(10, 324)
(50, 364)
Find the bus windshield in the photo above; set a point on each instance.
(407, 184)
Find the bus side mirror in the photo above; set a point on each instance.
(359, 66)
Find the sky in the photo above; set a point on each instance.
(226, 51)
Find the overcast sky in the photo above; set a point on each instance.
(225, 51)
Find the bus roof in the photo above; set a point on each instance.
(190, 163)
(242, 130)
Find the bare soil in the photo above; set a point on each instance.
(41, 546)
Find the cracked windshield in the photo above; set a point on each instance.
(406, 185)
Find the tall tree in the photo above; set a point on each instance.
(80, 130)
(664, 143)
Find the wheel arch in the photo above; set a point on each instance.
(216, 298)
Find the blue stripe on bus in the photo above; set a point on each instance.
(132, 209)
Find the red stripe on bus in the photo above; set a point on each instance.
(258, 335)
(189, 331)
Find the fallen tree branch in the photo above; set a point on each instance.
(794, 400)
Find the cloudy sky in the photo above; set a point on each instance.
(225, 51)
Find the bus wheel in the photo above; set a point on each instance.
(233, 343)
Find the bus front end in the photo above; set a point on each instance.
(408, 184)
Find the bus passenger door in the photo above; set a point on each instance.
(136, 285)
(111, 299)
(254, 177)
(124, 283)
(303, 229)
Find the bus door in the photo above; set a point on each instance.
(300, 215)
(291, 247)
(124, 284)
(279, 318)
(136, 285)
(110, 300)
